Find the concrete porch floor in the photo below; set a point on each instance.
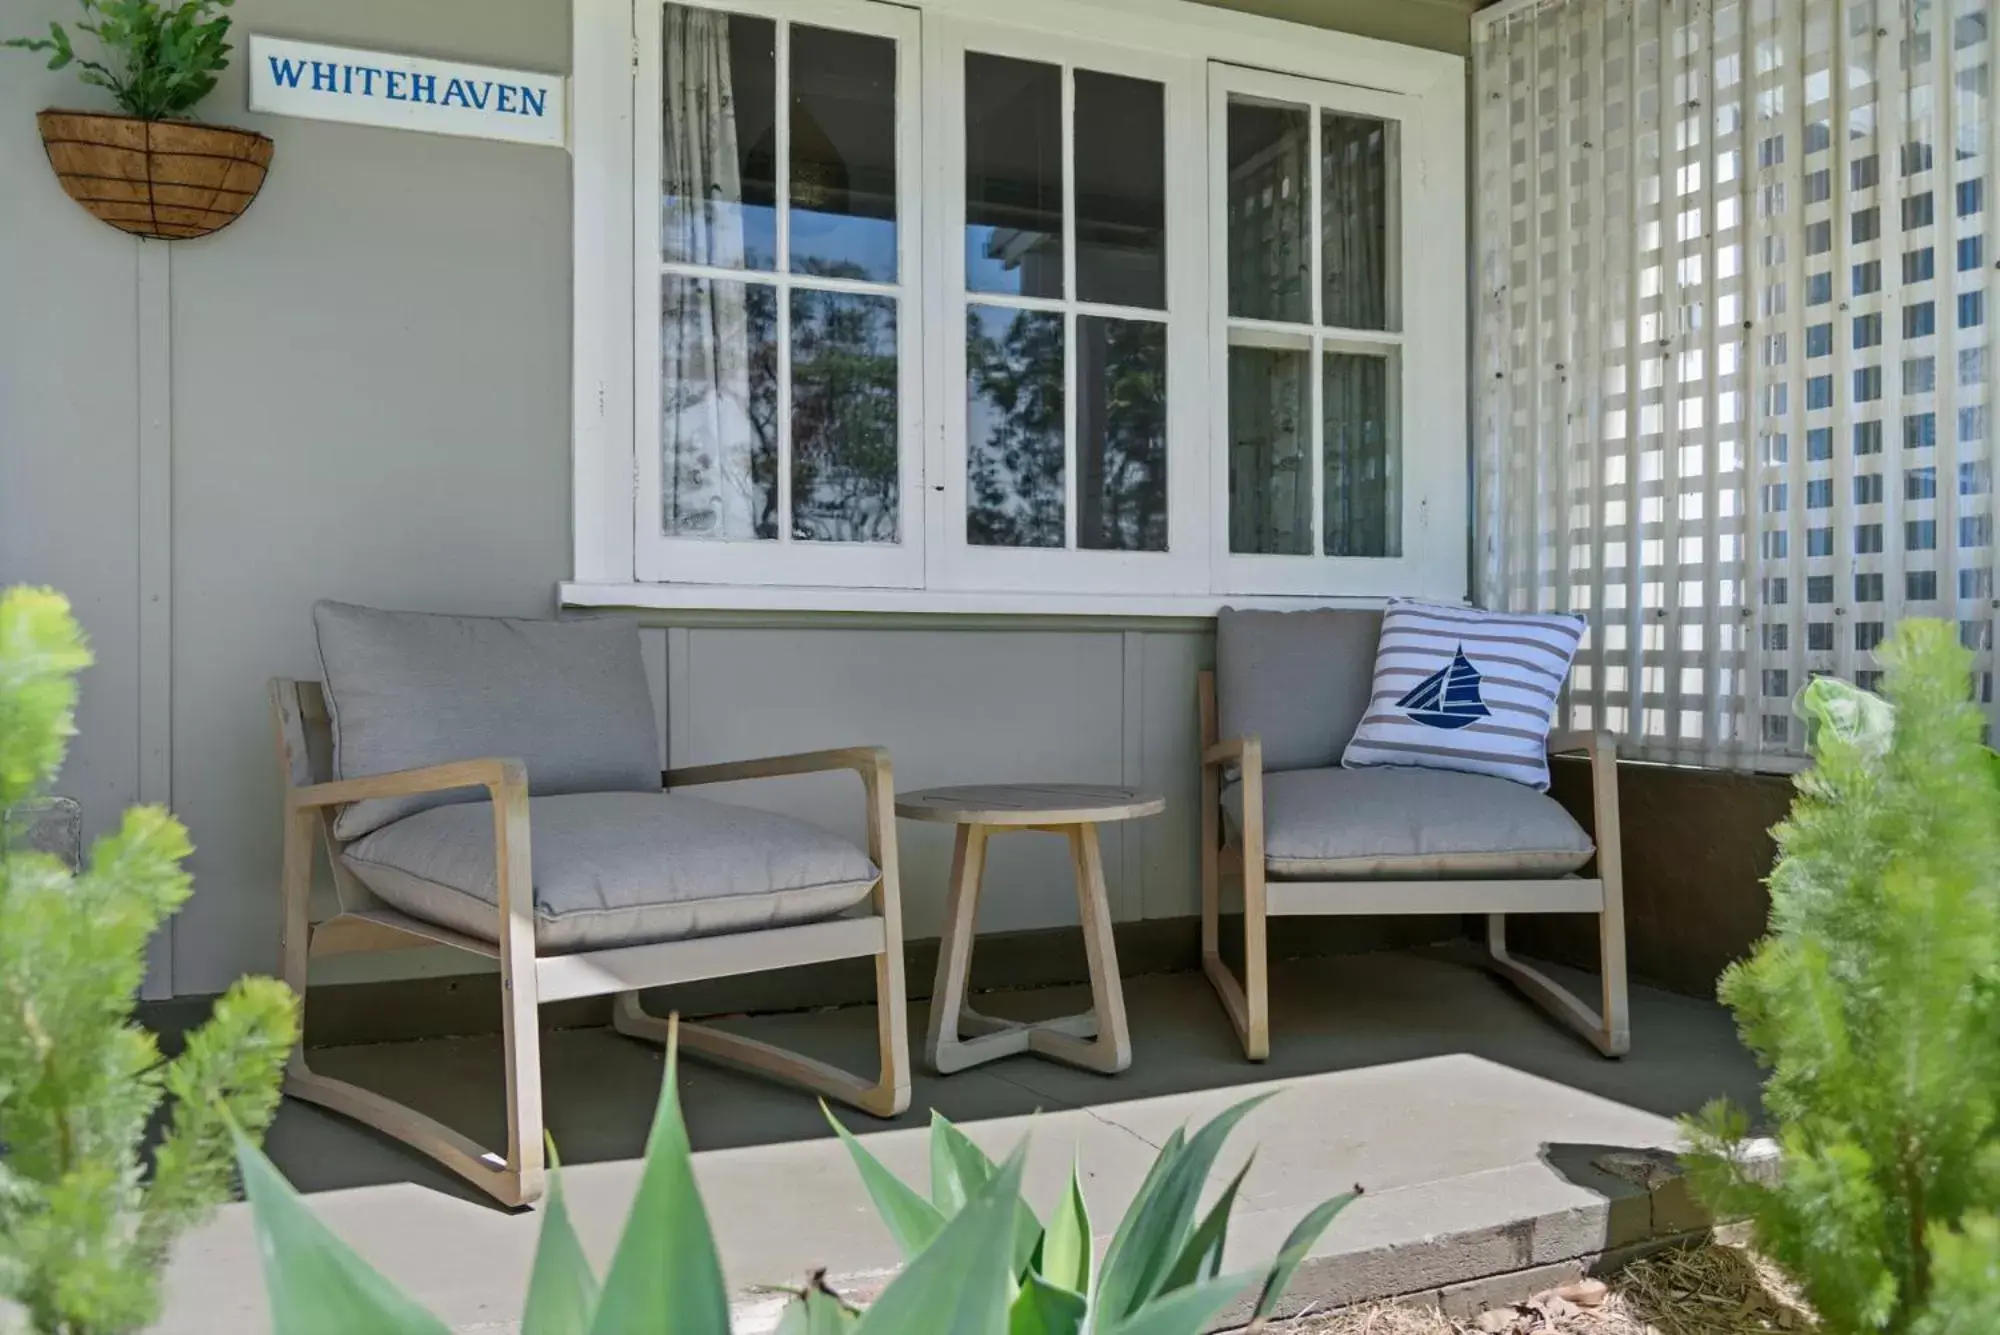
(1473, 1122)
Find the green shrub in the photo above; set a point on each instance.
(159, 60)
(1875, 1005)
(977, 1261)
(84, 1229)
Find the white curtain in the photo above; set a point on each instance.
(708, 437)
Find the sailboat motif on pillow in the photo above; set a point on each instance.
(1449, 697)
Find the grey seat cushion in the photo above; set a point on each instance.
(616, 869)
(409, 689)
(1385, 824)
(1299, 681)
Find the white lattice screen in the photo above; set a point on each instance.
(1734, 261)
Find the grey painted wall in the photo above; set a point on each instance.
(370, 390)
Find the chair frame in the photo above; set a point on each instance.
(528, 980)
(1241, 855)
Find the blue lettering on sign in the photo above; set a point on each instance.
(409, 86)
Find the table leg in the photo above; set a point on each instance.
(1112, 1050)
(944, 1050)
(961, 1036)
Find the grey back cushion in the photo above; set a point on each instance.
(1298, 680)
(408, 689)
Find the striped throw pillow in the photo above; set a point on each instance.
(1461, 689)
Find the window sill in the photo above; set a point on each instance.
(1067, 609)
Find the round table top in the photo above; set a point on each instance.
(1028, 804)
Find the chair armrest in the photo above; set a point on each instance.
(1592, 744)
(491, 773)
(1245, 751)
(867, 761)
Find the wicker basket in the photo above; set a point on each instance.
(164, 179)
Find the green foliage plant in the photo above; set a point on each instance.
(1162, 1274)
(1874, 1003)
(84, 1227)
(977, 1261)
(157, 60)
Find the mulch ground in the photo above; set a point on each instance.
(1711, 1290)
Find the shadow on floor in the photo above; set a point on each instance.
(1328, 1014)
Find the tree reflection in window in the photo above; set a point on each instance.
(844, 429)
(1014, 446)
(1121, 434)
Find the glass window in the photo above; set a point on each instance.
(1269, 265)
(1015, 460)
(843, 419)
(1270, 451)
(1121, 190)
(779, 399)
(843, 154)
(1013, 176)
(1315, 441)
(1354, 222)
(1066, 401)
(719, 177)
(1121, 434)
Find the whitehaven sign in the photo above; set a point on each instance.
(333, 83)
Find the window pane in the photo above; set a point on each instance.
(1354, 221)
(1270, 451)
(1121, 424)
(719, 409)
(1014, 428)
(1269, 263)
(843, 187)
(1013, 176)
(718, 142)
(1121, 190)
(1364, 494)
(844, 437)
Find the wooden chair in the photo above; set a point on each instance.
(1234, 846)
(530, 977)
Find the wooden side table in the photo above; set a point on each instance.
(1098, 1038)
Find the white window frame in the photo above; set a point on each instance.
(615, 95)
(956, 563)
(658, 558)
(1427, 474)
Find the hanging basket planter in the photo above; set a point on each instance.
(169, 180)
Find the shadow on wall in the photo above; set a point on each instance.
(1697, 849)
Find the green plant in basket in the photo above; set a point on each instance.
(156, 60)
(85, 1223)
(977, 1261)
(1875, 1004)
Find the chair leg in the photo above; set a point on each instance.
(1247, 1003)
(1608, 1033)
(512, 1182)
(889, 1094)
(886, 1097)
(515, 1180)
